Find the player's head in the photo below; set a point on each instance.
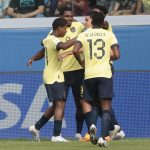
(101, 8)
(67, 14)
(97, 19)
(60, 25)
(88, 20)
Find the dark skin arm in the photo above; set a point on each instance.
(66, 44)
(115, 52)
(39, 55)
(76, 53)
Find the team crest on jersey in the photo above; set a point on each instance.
(73, 29)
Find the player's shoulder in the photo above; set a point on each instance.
(84, 34)
(104, 30)
(85, 31)
(109, 33)
(77, 24)
(50, 38)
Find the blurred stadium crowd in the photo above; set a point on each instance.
(51, 8)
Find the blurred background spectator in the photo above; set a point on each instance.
(124, 7)
(3, 8)
(64, 3)
(109, 4)
(53, 6)
(143, 7)
(80, 7)
(92, 3)
(26, 8)
(50, 7)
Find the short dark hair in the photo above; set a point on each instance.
(101, 8)
(97, 18)
(59, 22)
(65, 9)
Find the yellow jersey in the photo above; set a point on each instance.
(70, 63)
(53, 67)
(96, 44)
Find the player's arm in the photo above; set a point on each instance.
(77, 47)
(115, 52)
(63, 55)
(66, 44)
(39, 55)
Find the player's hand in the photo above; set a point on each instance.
(61, 56)
(29, 63)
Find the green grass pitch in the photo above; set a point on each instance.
(126, 144)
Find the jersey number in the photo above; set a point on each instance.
(99, 48)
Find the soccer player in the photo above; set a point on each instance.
(97, 44)
(115, 131)
(73, 72)
(54, 79)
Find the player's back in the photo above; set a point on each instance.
(97, 45)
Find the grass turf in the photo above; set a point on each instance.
(20, 144)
